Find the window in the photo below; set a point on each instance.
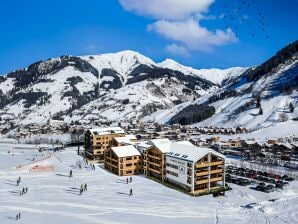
(172, 173)
(172, 166)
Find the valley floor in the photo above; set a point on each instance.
(54, 197)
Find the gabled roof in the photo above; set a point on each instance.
(187, 151)
(125, 151)
(162, 144)
(107, 130)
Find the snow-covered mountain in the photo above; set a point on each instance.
(123, 85)
(217, 76)
(260, 97)
(129, 86)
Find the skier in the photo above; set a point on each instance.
(19, 215)
(26, 189)
(127, 180)
(85, 187)
(70, 173)
(81, 189)
(130, 179)
(130, 192)
(23, 190)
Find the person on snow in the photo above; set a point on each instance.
(26, 189)
(23, 190)
(70, 173)
(85, 187)
(127, 180)
(130, 192)
(130, 179)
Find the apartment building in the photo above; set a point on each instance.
(123, 160)
(96, 141)
(195, 169)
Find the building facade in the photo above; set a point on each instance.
(197, 170)
(96, 141)
(123, 160)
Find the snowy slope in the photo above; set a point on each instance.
(216, 76)
(53, 197)
(277, 90)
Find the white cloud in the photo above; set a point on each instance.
(179, 22)
(167, 9)
(177, 50)
(192, 35)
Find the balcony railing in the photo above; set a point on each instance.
(216, 179)
(154, 157)
(153, 170)
(153, 163)
(205, 181)
(202, 173)
(217, 163)
(216, 171)
(200, 165)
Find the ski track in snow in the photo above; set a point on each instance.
(54, 197)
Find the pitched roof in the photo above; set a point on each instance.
(126, 151)
(188, 151)
(162, 144)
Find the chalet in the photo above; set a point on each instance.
(123, 160)
(96, 141)
(195, 169)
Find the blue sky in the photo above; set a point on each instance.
(211, 33)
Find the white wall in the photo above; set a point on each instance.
(182, 170)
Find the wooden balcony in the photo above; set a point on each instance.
(154, 157)
(202, 173)
(153, 163)
(110, 158)
(205, 181)
(216, 171)
(216, 179)
(217, 163)
(154, 171)
(115, 166)
(200, 165)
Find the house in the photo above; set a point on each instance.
(123, 160)
(197, 170)
(96, 141)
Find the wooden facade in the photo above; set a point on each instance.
(209, 174)
(123, 166)
(154, 163)
(95, 145)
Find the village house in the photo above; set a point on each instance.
(96, 141)
(123, 160)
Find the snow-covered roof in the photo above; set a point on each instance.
(126, 151)
(127, 139)
(185, 150)
(106, 131)
(162, 144)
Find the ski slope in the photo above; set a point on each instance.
(54, 197)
